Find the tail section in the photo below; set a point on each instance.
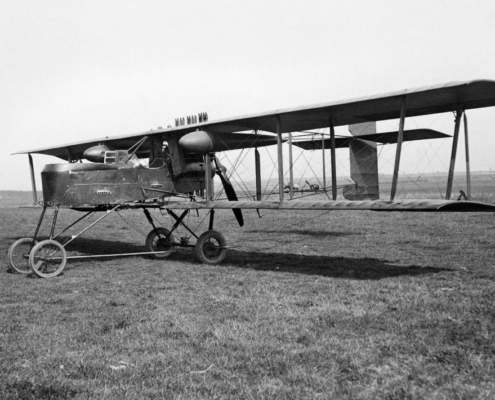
(364, 165)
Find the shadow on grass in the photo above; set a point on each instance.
(306, 232)
(88, 246)
(335, 267)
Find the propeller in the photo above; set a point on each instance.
(229, 189)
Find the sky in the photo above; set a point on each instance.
(76, 70)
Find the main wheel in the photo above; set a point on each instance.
(48, 259)
(210, 248)
(19, 254)
(160, 239)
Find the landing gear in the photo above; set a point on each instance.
(160, 240)
(48, 258)
(210, 248)
(19, 254)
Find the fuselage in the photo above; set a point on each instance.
(98, 185)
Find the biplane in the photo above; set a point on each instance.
(181, 163)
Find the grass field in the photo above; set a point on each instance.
(353, 305)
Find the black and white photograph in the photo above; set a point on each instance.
(247, 199)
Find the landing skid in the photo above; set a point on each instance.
(48, 258)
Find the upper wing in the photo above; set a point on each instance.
(420, 101)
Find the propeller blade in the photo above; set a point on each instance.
(229, 190)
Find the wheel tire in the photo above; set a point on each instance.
(47, 259)
(19, 254)
(210, 248)
(157, 241)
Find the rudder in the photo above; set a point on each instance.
(364, 165)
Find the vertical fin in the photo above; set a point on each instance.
(364, 165)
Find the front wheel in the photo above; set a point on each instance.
(19, 254)
(48, 259)
(160, 240)
(211, 248)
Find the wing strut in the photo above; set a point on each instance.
(399, 147)
(332, 160)
(33, 180)
(291, 172)
(468, 168)
(280, 160)
(323, 162)
(257, 167)
(450, 179)
(208, 180)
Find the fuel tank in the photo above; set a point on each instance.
(203, 142)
